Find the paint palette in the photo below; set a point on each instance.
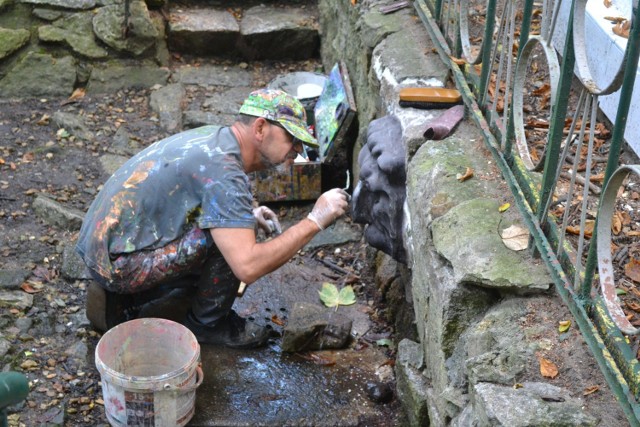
(334, 111)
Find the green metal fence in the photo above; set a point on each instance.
(499, 52)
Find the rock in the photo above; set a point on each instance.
(214, 75)
(122, 144)
(113, 77)
(534, 404)
(11, 280)
(16, 299)
(167, 103)
(23, 324)
(111, 162)
(73, 267)
(12, 40)
(411, 384)
(47, 14)
(202, 31)
(228, 101)
(73, 124)
(57, 215)
(472, 227)
(77, 31)
(141, 35)
(78, 351)
(40, 75)
(67, 4)
(379, 392)
(194, 119)
(311, 327)
(278, 33)
(5, 346)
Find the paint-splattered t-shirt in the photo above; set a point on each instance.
(192, 178)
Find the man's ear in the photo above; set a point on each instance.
(259, 128)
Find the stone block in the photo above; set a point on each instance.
(202, 31)
(278, 33)
(56, 214)
(312, 327)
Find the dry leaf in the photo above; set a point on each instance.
(633, 306)
(31, 289)
(622, 29)
(590, 390)
(548, 369)
(632, 270)
(616, 223)
(458, 61)
(275, 319)
(515, 238)
(467, 175)
(588, 229)
(607, 3)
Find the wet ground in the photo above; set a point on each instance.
(346, 387)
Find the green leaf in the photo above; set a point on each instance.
(620, 292)
(384, 342)
(331, 297)
(564, 325)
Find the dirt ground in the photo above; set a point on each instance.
(51, 341)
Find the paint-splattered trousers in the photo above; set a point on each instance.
(191, 260)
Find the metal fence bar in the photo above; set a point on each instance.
(606, 341)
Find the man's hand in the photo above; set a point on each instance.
(267, 220)
(329, 207)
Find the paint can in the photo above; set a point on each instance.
(150, 370)
(305, 86)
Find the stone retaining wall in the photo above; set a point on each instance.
(475, 302)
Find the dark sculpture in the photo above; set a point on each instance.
(380, 194)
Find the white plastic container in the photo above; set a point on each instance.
(150, 370)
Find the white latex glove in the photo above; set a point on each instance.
(267, 220)
(330, 206)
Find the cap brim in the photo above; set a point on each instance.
(299, 132)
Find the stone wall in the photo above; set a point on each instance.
(51, 47)
(474, 300)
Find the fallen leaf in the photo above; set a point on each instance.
(30, 289)
(589, 225)
(331, 297)
(616, 223)
(590, 390)
(515, 238)
(504, 207)
(633, 306)
(29, 364)
(458, 61)
(467, 175)
(622, 29)
(632, 270)
(564, 325)
(548, 369)
(607, 3)
(275, 319)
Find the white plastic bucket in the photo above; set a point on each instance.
(150, 369)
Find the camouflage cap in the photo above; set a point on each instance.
(279, 106)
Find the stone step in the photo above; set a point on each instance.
(255, 33)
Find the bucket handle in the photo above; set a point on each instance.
(199, 379)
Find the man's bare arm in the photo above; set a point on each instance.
(251, 260)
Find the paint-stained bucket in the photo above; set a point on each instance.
(150, 369)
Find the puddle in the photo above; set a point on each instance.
(269, 387)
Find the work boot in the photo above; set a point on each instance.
(230, 331)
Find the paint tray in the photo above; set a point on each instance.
(334, 112)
